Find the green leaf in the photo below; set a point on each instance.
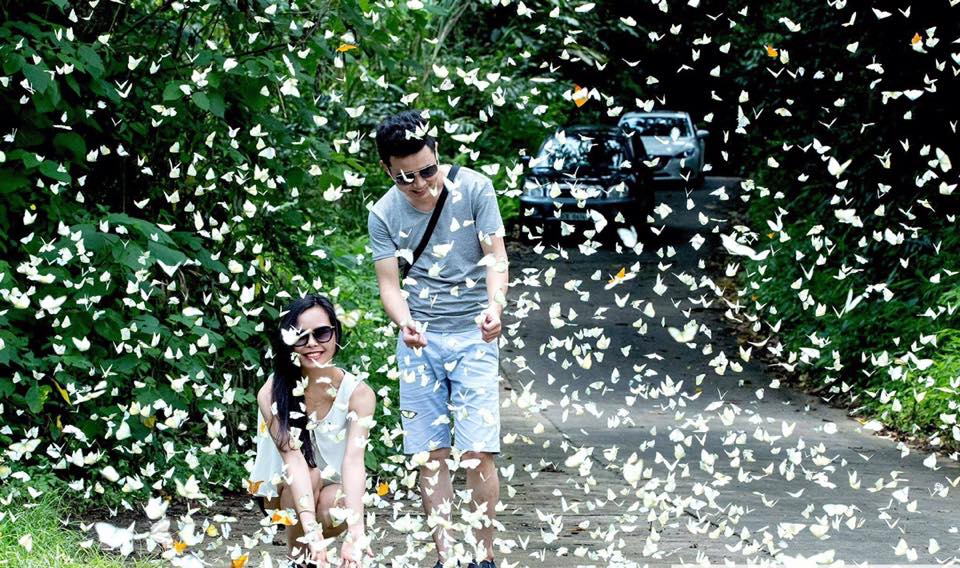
(48, 101)
(145, 228)
(207, 261)
(217, 106)
(249, 91)
(128, 256)
(38, 77)
(11, 181)
(52, 170)
(149, 324)
(12, 62)
(72, 142)
(93, 61)
(172, 92)
(29, 159)
(6, 387)
(9, 351)
(251, 355)
(201, 100)
(37, 396)
(166, 254)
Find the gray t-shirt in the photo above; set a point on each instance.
(450, 289)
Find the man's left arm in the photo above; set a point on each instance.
(490, 231)
(498, 278)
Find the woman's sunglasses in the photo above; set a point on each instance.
(320, 334)
(407, 178)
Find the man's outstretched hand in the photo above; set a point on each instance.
(412, 336)
(490, 325)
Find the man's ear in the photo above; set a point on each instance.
(385, 167)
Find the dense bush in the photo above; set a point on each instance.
(175, 172)
(855, 153)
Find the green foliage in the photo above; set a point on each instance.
(900, 262)
(918, 396)
(176, 173)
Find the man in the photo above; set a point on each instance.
(448, 311)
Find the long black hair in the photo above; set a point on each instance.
(286, 374)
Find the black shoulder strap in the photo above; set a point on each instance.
(433, 222)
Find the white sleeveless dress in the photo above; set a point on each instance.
(329, 437)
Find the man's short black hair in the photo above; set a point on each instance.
(393, 140)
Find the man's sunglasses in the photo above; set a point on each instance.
(320, 334)
(407, 178)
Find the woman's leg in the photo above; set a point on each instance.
(330, 496)
(294, 532)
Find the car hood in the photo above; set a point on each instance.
(609, 177)
(659, 145)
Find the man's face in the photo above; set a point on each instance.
(421, 169)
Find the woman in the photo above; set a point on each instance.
(313, 429)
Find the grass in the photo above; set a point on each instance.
(54, 546)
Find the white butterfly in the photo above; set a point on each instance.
(791, 25)
(943, 160)
(685, 335)
(628, 236)
(116, 538)
(835, 168)
(733, 247)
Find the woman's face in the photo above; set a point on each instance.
(319, 336)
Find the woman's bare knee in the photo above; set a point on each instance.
(328, 498)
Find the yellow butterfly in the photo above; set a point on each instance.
(619, 278)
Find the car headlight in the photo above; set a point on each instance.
(687, 153)
(533, 189)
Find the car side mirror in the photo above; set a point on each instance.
(703, 133)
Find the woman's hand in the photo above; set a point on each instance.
(350, 555)
(317, 552)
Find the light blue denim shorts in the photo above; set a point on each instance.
(455, 378)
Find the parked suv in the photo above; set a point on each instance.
(670, 138)
(585, 169)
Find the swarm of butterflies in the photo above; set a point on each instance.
(646, 495)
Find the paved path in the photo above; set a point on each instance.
(734, 465)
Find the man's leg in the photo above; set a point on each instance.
(475, 402)
(436, 492)
(424, 392)
(484, 485)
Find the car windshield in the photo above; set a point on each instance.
(666, 126)
(583, 152)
